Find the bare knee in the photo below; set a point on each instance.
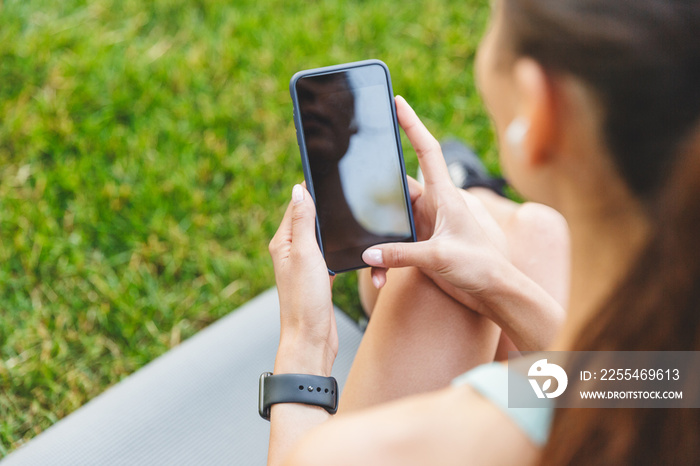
(541, 225)
(538, 239)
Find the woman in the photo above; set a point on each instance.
(597, 108)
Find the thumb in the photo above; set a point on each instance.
(303, 217)
(399, 255)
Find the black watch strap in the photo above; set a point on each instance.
(297, 388)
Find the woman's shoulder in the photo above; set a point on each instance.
(494, 381)
(456, 425)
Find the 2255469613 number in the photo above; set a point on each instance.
(640, 374)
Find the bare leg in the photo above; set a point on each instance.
(419, 338)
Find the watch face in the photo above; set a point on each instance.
(264, 413)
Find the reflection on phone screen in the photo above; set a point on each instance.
(354, 161)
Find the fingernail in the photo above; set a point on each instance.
(375, 281)
(297, 194)
(373, 256)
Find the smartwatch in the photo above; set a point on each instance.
(296, 388)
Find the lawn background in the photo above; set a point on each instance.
(147, 152)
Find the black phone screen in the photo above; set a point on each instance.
(355, 162)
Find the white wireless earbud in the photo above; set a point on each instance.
(515, 134)
(353, 126)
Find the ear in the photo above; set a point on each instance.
(536, 104)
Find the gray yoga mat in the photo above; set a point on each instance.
(196, 404)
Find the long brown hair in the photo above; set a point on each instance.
(642, 60)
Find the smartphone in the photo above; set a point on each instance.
(348, 136)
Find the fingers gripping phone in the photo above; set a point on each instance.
(348, 136)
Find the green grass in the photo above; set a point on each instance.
(147, 152)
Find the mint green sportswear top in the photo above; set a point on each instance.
(491, 381)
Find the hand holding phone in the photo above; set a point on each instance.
(351, 152)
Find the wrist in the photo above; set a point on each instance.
(296, 355)
(528, 314)
(503, 280)
(500, 285)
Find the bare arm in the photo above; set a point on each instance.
(289, 422)
(453, 426)
(308, 334)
